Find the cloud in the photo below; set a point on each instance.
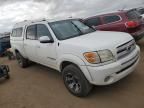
(13, 11)
(5, 2)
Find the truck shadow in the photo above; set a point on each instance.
(119, 87)
(4, 81)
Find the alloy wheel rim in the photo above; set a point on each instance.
(73, 82)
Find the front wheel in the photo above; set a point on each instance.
(75, 81)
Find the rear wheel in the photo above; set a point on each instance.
(21, 60)
(75, 81)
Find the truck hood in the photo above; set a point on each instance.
(99, 40)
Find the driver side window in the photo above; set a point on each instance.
(42, 30)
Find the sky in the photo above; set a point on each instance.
(13, 11)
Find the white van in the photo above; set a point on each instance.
(85, 57)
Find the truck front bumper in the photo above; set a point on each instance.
(111, 73)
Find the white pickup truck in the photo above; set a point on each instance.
(85, 57)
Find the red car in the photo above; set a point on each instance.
(128, 21)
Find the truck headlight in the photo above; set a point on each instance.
(105, 55)
(99, 56)
(92, 57)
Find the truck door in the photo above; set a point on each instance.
(46, 52)
(112, 23)
(30, 43)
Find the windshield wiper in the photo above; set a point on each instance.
(77, 28)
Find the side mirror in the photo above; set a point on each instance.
(45, 39)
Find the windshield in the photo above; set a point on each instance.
(69, 28)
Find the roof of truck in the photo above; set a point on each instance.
(27, 22)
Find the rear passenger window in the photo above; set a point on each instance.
(17, 32)
(42, 30)
(31, 32)
(110, 19)
(14, 34)
(93, 22)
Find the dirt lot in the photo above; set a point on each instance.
(41, 87)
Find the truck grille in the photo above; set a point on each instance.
(125, 49)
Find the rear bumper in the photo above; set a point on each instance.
(111, 73)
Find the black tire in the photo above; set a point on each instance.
(75, 81)
(21, 60)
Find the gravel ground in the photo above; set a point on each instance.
(40, 87)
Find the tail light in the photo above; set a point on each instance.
(131, 24)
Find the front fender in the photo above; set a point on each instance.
(77, 61)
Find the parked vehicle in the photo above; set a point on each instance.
(4, 71)
(4, 44)
(141, 11)
(85, 57)
(128, 21)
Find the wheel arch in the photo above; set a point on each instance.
(71, 59)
